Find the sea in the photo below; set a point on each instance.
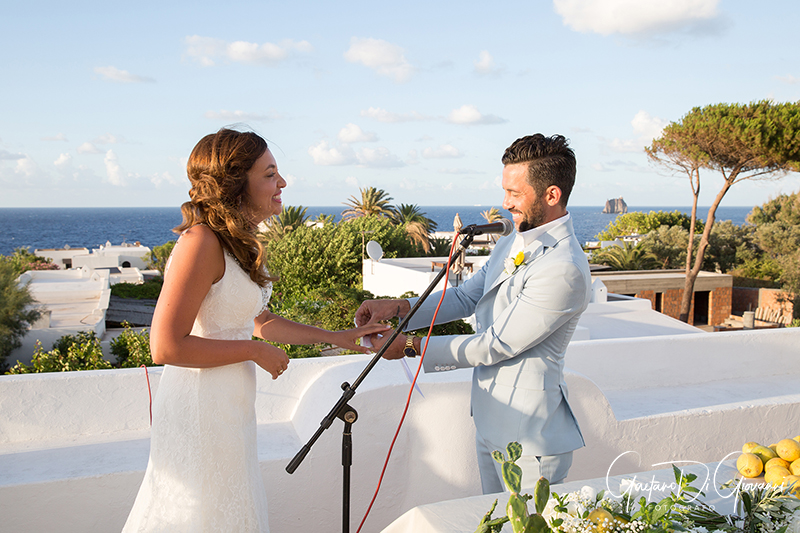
(78, 227)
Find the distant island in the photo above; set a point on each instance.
(616, 206)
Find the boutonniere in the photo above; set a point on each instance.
(512, 264)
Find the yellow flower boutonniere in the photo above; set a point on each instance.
(512, 264)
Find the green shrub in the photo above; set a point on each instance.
(70, 352)
(149, 290)
(131, 348)
(17, 310)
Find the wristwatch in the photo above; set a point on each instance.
(409, 350)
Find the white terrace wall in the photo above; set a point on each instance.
(73, 447)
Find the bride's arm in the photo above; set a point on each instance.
(272, 327)
(197, 262)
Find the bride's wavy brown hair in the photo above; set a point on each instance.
(217, 170)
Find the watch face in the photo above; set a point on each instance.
(409, 352)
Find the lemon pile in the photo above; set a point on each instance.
(780, 463)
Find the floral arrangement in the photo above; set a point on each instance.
(513, 263)
(760, 509)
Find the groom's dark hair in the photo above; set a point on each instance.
(550, 162)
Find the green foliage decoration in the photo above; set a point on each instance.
(522, 521)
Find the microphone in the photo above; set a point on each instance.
(502, 227)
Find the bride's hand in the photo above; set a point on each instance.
(347, 338)
(271, 358)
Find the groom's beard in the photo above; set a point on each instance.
(533, 218)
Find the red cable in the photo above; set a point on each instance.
(411, 390)
(149, 394)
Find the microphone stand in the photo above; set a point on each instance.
(349, 415)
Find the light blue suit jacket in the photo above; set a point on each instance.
(525, 321)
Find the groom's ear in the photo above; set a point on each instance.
(552, 195)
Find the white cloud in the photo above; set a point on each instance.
(324, 154)
(469, 114)
(352, 181)
(240, 116)
(485, 65)
(8, 156)
(646, 127)
(382, 115)
(88, 148)
(26, 167)
(121, 76)
(791, 80)
(63, 161)
(56, 137)
(445, 151)
(206, 50)
(385, 58)
(631, 17)
(626, 145)
(109, 138)
(290, 179)
(456, 171)
(495, 184)
(352, 133)
(113, 170)
(161, 179)
(379, 157)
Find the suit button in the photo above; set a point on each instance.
(478, 325)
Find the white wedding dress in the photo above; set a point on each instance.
(203, 473)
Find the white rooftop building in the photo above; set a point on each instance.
(646, 389)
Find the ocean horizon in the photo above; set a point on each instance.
(90, 227)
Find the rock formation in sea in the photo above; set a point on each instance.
(616, 206)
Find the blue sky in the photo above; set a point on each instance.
(101, 102)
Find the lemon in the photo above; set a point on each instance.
(764, 453)
(749, 465)
(776, 475)
(603, 519)
(773, 447)
(776, 461)
(793, 483)
(788, 449)
(794, 468)
(748, 446)
(797, 438)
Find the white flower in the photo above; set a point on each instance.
(509, 264)
(575, 509)
(588, 493)
(628, 486)
(700, 529)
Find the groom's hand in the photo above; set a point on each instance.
(372, 311)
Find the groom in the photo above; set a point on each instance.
(527, 300)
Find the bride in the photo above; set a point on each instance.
(203, 472)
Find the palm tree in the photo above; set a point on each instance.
(440, 246)
(373, 202)
(491, 215)
(288, 219)
(628, 257)
(412, 213)
(418, 226)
